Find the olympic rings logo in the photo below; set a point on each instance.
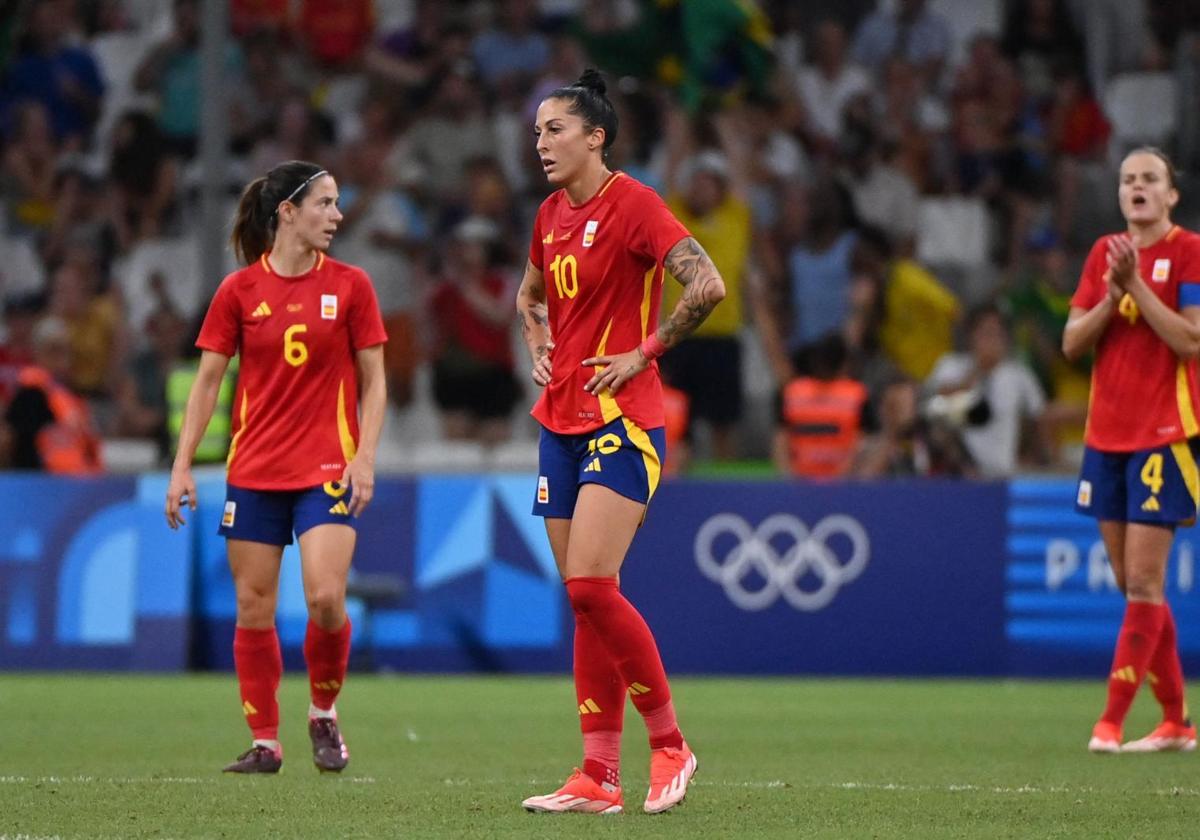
(802, 556)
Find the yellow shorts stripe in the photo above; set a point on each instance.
(1187, 468)
(649, 455)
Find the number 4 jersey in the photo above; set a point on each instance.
(603, 267)
(295, 416)
(1143, 395)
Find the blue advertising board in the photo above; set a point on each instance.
(765, 577)
(480, 589)
(1062, 604)
(89, 575)
(794, 577)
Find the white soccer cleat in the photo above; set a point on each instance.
(579, 793)
(670, 772)
(1166, 737)
(1106, 738)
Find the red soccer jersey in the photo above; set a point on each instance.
(603, 264)
(295, 416)
(1143, 395)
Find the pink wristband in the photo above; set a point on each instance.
(651, 347)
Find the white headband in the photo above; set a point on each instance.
(304, 184)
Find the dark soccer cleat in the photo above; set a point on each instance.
(329, 750)
(257, 759)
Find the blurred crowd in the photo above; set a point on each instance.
(898, 194)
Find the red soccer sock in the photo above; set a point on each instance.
(602, 756)
(1166, 671)
(259, 666)
(327, 653)
(663, 727)
(601, 696)
(1135, 646)
(630, 644)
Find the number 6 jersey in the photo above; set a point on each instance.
(603, 267)
(295, 416)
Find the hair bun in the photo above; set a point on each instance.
(592, 80)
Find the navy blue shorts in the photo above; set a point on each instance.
(271, 516)
(620, 456)
(1159, 486)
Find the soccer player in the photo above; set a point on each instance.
(310, 337)
(592, 329)
(1138, 305)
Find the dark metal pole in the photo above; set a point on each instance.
(214, 141)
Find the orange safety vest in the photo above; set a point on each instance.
(69, 445)
(822, 421)
(677, 409)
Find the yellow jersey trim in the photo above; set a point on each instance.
(233, 444)
(347, 439)
(609, 409)
(611, 180)
(647, 288)
(266, 264)
(641, 440)
(1183, 396)
(1172, 233)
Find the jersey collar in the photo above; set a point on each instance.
(266, 264)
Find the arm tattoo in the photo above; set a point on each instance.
(703, 289)
(532, 314)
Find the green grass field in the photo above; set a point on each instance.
(131, 756)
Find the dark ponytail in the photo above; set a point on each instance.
(589, 102)
(251, 227)
(256, 219)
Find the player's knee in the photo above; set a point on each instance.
(1143, 587)
(255, 607)
(327, 608)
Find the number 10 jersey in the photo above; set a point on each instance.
(603, 267)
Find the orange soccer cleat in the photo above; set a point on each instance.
(1166, 737)
(579, 793)
(1106, 738)
(670, 772)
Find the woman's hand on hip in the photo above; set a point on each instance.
(542, 367)
(617, 370)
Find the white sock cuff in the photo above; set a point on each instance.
(314, 712)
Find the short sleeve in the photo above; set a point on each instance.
(654, 230)
(1189, 275)
(366, 323)
(222, 326)
(1091, 280)
(536, 247)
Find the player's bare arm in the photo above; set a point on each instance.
(1085, 326)
(202, 400)
(360, 472)
(534, 319)
(703, 289)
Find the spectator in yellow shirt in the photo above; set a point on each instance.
(706, 191)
